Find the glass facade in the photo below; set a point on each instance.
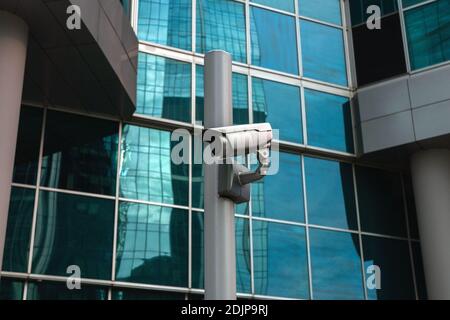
(104, 194)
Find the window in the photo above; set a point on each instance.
(273, 40)
(286, 5)
(221, 25)
(325, 10)
(323, 53)
(336, 265)
(59, 291)
(329, 121)
(73, 230)
(164, 88)
(330, 193)
(280, 261)
(278, 104)
(166, 22)
(285, 189)
(152, 245)
(10, 289)
(136, 294)
(147, 171)
(80, 153)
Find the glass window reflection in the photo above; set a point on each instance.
(273, 40)
(147, 171)
(325, 10)
(164, 88)
(280, 260)
(73, 230)
(286, 5)
(59, 291)
(136, 294)
(152, 245)
(167, 22)
(11, 289)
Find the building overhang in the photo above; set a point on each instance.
(92, 69)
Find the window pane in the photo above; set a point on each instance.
(17, 242)
(152, 245)
(164, 88)
(380, 200)
(80, 153)
(419, 272)
(135, 294)
(329, 121)
(243, 281)
(392, 256)
(240, 97)
(336, 265)
(287, 5)
(325, 10)
(28, 144)
(284, 203)
(59, 291)
(358, 9)
(280, 261)
(428, 32)
(73, 230)
(407, 3)
(278, 104)
(221, 25)
(330, 194)
(274, 41)
(10, 289)
(323, 53)
(166, 22)
(147, 172)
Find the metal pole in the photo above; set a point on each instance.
(219, 240)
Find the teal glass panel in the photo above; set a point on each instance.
(330, 193)
(286, 5)
(380, 198)
(28, 145)
(73, 230)
(329, 121)
(418, 271)
(358, 9)
(278, 104)
(135, 294)
(280, 260)
(392, 257)
(285, 189)
(240, 97)
(324, 10)
(408, 3)
(18, 232)
(166, 22)
(336, 265)
(273, 40)
(59, 291)
(147, 171)
(10, 289)
(164, 88)
(323, 53)
(221, 26)
(428, 33)
(243, 280)
(152, 245)
(80, 153)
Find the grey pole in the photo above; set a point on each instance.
(219, 240)
(13, 53)
(431, 181)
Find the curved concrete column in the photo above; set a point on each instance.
(13, 53)
(431, 180)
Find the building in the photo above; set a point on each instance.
(93, 184)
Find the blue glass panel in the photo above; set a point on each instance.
(152, 245)
(380, 199)
(287, 5)
(18, 232)
(330, 193)
(280, 260)
(164, 88)
(10, 289)
(323, 53)
(221, 25)
(392, 257)
(73, 230)
(278, 104)
(285, 189)
(325, 10)
(274, 40)
(166, 22)
(59, 291)
(135, 294)
(336, 265)
(80, 153)
(147, 171)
